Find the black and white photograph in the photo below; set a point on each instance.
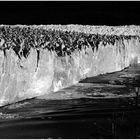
(69, 70)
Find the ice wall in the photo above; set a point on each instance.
(36, 60)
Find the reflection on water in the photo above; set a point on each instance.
(77, 118)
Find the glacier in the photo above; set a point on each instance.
(42, 59)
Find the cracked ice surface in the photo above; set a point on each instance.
(38, 60)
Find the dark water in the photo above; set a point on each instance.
(75, 118)
(100, 107)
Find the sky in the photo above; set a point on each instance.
(72, 12)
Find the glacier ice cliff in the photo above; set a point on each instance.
(38, 60)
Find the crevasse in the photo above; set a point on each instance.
(36, 60)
